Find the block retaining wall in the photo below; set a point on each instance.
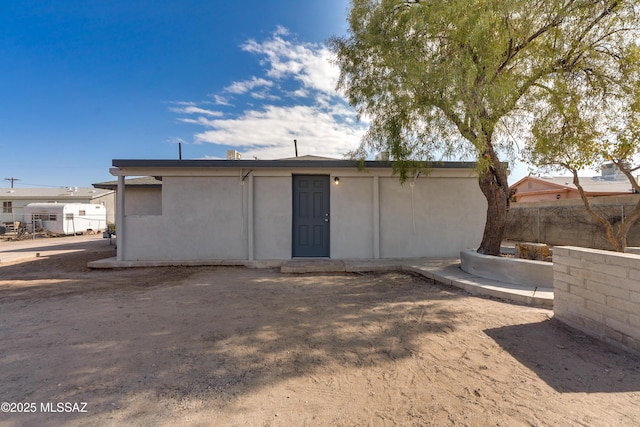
(598, 292)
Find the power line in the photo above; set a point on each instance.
(12, 179)
(44, 185)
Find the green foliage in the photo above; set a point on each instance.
(439, 77)
(589, 115)
(443, 78)
(586, 119)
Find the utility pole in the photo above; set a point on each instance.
(12, 179)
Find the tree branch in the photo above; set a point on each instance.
(512, 50)
(608, 228)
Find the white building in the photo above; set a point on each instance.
(269, 210)
(14, 200)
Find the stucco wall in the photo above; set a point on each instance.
(449, 216)
(109, 202)
(202, 219)
(216, 217)
(352, 218)
(508, 270)
(564, 194)
(143, 201)
(143, 239)
(598, 292)
(272, 217)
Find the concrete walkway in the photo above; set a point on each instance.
(445, 271)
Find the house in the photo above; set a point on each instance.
(244, 211)
(536, 189)
(14, 200)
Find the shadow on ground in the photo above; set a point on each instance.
(223, 334)
(143, 345)
(556, 352)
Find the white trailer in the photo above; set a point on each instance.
(67, 218)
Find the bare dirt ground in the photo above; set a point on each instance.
(233, 346)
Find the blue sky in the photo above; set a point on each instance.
(84, 82)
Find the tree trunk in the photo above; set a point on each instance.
(625, 226)
(608, 228)
(497, 207)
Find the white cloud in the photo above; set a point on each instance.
(202, 121)
(264, 95)
(306, 62)
(192, 109)
(269, 133)
(295, 98)
(247, 85)
(298, 93)
(281, 31)
(221, 100)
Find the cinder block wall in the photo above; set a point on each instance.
(598, 292)
(566, 222)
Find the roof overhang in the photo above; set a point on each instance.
(143, 182)
(281, 164)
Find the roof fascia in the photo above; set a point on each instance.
(256, 164)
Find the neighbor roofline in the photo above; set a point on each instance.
(544, 181)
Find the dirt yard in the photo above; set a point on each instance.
(233, 346)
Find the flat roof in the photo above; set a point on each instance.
(145, 181)
(283, 163)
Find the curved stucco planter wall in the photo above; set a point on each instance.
(508, 270)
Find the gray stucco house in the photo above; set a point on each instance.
(204, 211)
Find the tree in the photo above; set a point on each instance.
(589, 125)
(439, 77)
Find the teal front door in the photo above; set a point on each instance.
(310, 216)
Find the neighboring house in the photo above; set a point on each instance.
(203, 211)
(15, 199)
(536, 189)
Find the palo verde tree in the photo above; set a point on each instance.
(587, 121)
(459, 76)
